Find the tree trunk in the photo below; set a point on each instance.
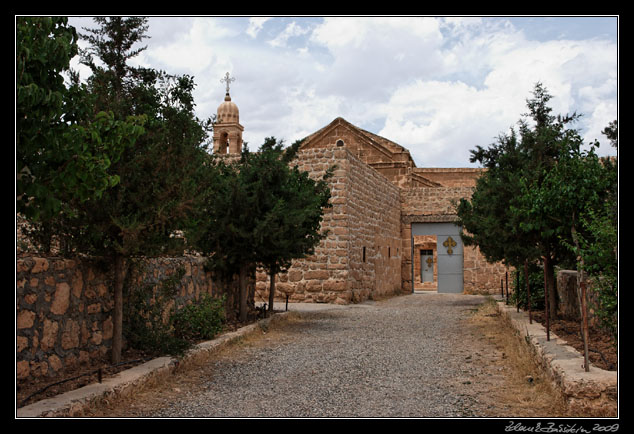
(581, 294)
(528, 292)
(546, 303)
(271, 291)
(549, 272)
(120, 271)
(242, 283)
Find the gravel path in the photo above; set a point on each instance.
(409, 356)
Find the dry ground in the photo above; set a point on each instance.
(511, 384)
(523, 389)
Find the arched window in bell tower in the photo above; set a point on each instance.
(223, 144)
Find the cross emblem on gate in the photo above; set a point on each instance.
(449, 244)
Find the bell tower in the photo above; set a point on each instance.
(227, 129)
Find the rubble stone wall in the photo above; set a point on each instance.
(64, 307)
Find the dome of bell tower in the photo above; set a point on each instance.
(228, 111)
(227, 135)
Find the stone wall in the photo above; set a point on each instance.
(451, 177)
(482, 277)
(360, 258)
(63, 306)
(587, 394)
(373, 207)
(568, 297)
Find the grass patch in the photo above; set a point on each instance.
(528, 391)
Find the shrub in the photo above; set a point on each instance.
(148, 319)
(201, 320)
(536, 286)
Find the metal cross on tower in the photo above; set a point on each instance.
(227, 80)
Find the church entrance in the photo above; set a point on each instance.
(437, 258)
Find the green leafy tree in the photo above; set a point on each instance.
(598, 248)
(487, 219)
(224, 229)
(64, 149)
(290, 205)
(143, 212)
(259, 211)
(561, 182)
(533, 191)
(595, 230)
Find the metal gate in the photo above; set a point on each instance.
(449, 254)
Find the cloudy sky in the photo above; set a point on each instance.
(438, 86)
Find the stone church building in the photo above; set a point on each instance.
(390, 227)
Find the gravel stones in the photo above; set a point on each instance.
(403, 357)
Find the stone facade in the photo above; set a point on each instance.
(64, 307)
(358, 258)
(377, 193)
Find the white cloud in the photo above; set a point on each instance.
(255, 25)
(191, 52)
(291, 30)
(372, 56)
(441, 120)
(438, 86)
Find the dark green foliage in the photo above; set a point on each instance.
(537, 188)
(597, 247)
(258, 211)
(223, 227)
(148, 322)
(291, 207)
(290, 204)
(201, 320)
(44, 47)
(154, 195)
(64, 149)
(487, 218)
(155, 324)
(600, 253)
(152, 185)
(536, 288)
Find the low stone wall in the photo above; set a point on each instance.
(588, 394)
(63, 306)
